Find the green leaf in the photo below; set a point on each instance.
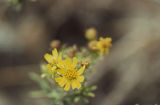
(91, 94)
(54, 94)
(37, 94)
(43, 67)
(44, 84)
(93, 87)
(76, 99)
(86, 100)
(14, 2)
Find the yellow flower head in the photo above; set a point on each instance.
(69, 76)
(53, 61)
(104, 44)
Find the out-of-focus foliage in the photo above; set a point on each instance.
(18, 4)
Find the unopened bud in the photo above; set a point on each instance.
(72, 51)
(92, 45)
(91, 34)
(85, 62)
(55, 44)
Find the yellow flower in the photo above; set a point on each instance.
(53, 61)
(104, 44)
(69, 75)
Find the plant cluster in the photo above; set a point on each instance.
(64, 75)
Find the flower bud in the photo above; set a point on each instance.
(92, 45)
(55, 44)
(91, 34)
(72, 51)
(85, 62)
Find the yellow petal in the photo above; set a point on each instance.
(55, 53)
(60, 71)
(67, 86)
(81, 70)
(109, 39)
(106, 50)
(61, 64)
(52, 70)
(60, 57)
(80, 78)
(98, 44)
(101, 39)
(73, 83)
(49, 67)
(74, 62)
(67, 63)
(49, 58)
(58, 79)
(54, 67)
(63, 82)
(76, 84)
(101, 51)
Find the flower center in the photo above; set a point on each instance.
(71, 74)
(52, 64)
(105, 44)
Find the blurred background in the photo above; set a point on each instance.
(129, 75)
